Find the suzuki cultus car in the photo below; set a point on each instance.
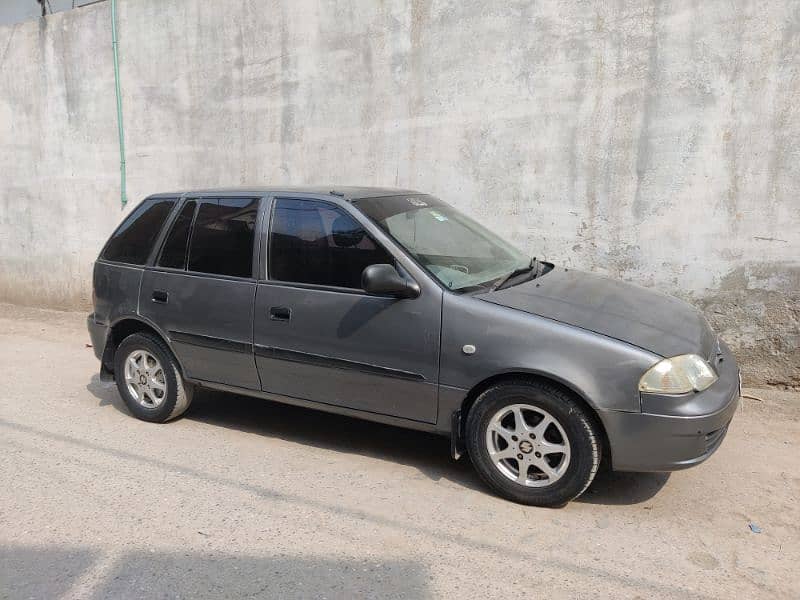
(392, 306)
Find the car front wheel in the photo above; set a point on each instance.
(149, 380)
(532, 442)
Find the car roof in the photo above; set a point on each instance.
(342, 191)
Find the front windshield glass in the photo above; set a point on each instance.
(459, 252)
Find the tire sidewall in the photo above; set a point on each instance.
(584, 449)
(138, 341)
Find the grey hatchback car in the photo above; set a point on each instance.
(390, 305)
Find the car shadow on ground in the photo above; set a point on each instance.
(428, 453)
(58, 571)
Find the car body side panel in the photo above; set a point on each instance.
(208, 322)
(116, 291)
(364, 352)
(116, 298)
(605, 372)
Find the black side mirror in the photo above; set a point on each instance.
(385, 280)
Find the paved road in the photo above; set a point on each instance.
(247, 498)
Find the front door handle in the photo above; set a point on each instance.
(280, 313)
(160, 296)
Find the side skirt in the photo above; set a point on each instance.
(331, 408)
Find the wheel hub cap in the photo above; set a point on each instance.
(145, 379)
(528, 445)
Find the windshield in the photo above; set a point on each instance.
(459, 252)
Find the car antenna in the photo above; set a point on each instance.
(335, 193)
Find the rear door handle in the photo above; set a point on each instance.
(280, 313)
(160, 296)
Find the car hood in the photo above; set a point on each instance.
(645, 318)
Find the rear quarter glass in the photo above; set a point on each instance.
(133, 240)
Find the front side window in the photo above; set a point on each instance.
(222, 237)
(133, 240)
(459, 252)
(174, 252)
(318, 243)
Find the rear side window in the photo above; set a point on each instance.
(222, 238)
(315, 242)
(174, 252)
(132, 241)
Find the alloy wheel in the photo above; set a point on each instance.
(528, 445)
(144, 378)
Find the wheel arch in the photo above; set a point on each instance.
(473, 394)
(122, 328)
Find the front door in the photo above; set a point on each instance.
(200, 291)
(318, 336)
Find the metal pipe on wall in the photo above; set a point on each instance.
(115, 44)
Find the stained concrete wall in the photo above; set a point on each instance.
(16, 11)
(652, 141)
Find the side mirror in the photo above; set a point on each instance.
(385, 280)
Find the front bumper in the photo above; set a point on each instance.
(684, 431)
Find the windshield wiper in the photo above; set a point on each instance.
(468, 289)
(534, 265)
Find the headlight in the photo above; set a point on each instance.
(678, 375)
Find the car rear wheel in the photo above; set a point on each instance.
(533, 442)
(149, 380)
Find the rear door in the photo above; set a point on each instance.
(318, 336)
(201, 288)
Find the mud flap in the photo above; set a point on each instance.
(107, 363)
(456, 439)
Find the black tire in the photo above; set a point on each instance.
(177, 396)
(581, 433)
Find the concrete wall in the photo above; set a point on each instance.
(16, 11)
(653, 141)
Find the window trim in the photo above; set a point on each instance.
(157, 258)
(318, 287)
(267, 279)
(200, 274)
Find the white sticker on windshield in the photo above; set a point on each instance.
(417, 202)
